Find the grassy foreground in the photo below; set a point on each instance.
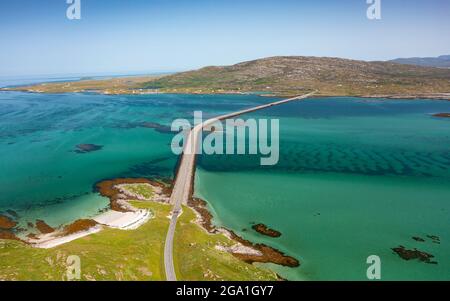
(140, 189)
(132, 255)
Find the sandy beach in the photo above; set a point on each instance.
(111, 219)
(123, 217)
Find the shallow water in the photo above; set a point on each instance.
(42, 174)
(356, 178)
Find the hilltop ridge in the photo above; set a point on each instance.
(280, 76)
(442, 61)
(293, 75)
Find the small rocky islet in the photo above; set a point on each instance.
(160, 128)
(411, 254)
(43, 227)
(7, 227)
(442, 115)
(7, 223)
(79, 226)
(408, 254)
(264, 230)
(419, 239)
(87, 148)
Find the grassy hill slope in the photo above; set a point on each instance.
(296, 75)
(280, 76)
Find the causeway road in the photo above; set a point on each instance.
(184, 180)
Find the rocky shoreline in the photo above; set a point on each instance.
(7, 226)
(43, 227)
(244, 250)
(115, 190)
(409, 96)
(119, 200)
(264, 230)
(442, 115)
(6, 223)
(263, 254)
(121, 215)
(433, 96)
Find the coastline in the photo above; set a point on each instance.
(245, 251)
(124, 216)
(243, 234)
(121, 215)
(274, 94)
(263, 254)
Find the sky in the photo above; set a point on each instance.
(145, 36)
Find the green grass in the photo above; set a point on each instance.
(143, 190)
(196, 258)
(131, 255)
(108, 255)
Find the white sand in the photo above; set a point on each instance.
(123, 220)
(52, 240)
(112, 219)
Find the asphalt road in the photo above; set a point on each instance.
(185, 176)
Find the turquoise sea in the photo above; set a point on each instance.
(43, 176)
(356, 177)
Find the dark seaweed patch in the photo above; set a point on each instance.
(87, 148)
(414, 254)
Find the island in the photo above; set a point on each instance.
(282, 76)
(407, 254)
(442, 115)
(264, 230)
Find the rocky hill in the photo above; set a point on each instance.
(442, 61)
(294, 75)
(280, 76)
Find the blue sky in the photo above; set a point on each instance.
(138, 36)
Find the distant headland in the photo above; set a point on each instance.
(278, 76)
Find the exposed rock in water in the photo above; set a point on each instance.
(442, 115)
(434, 238)
(6, 223)
(43, 227)
(268, 254)
(87, 148)
(19, 229)
(261, 253)
(158, 127)
(414, 254)
(264, 230)
(4, 234)
(419, 239)
(12, 213)
(32, 236)
(79, 226)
